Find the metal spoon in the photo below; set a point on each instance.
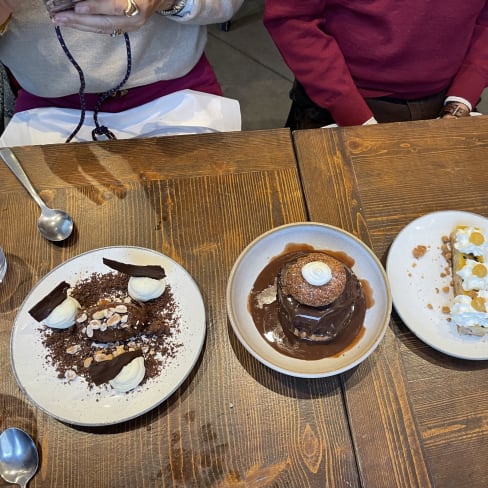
(18, 456)
(53, 224)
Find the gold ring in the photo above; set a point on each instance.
(116, 32)
(132, 9)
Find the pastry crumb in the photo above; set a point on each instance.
(419, 251)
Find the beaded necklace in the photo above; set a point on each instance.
(99, 130)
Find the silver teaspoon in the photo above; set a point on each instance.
(53, 224)
(19, 458)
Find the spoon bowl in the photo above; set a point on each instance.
(53, 224)
(19, 458)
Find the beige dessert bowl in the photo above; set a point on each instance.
(320, 237)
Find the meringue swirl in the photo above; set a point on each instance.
(316, 273)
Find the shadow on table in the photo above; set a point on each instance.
(409, 341)
(86, 175)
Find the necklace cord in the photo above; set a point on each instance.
(99, 130)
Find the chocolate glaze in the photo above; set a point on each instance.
(149, 271)
(104, 371)
(324, 323)
(54, 298)
(266, 318)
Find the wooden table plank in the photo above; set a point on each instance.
(429, 412)
(199, 200)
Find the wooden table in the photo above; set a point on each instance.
(200, 200)
(417, 417)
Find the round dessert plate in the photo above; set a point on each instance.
(75, 402)
(321, 237)
(417, 285)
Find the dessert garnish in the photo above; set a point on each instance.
(54, 298)
(104, 371)
(470, 280)
(144, 271)
(130, 376)
(57, 309)
(316, 273)
(145, 283)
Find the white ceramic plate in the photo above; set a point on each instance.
(417, 284)
(320, 236)
(74, 403)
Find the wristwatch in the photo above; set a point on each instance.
(455, 109)
(175, 10)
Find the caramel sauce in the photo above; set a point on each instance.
(268, 324)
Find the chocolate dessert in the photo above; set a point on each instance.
(320, 320)
(318, 311)
(112, 331)
(112, 321)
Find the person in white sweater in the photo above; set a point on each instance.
(115, 60)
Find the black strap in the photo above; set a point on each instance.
(99, 130)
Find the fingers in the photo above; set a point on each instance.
(94, 7)
(103, 16)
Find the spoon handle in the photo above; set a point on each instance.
(10, 159)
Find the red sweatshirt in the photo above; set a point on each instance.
(342, 51)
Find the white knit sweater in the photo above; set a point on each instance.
(164, 48)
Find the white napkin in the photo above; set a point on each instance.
(183, 112)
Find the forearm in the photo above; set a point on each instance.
(315, 58)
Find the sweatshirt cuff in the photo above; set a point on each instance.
(452, 98)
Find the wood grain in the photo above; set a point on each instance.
(418, 417)
(199, 200)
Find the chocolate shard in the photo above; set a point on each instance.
(148, 271)
(54, 298)
(104, 371)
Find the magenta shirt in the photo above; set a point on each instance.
(200, 78)
(342, 51)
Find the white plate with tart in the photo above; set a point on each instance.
(420, 274)
(265, 338)
(73, 398)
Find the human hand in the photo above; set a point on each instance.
(110, 16)
(454, 110)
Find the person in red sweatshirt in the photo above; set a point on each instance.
(358, 62)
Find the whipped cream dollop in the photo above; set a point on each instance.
(474, 275)
(130, 376)
(144, 289)
(471, 240)
(64, 315)
(316, 273)
(465, 314)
